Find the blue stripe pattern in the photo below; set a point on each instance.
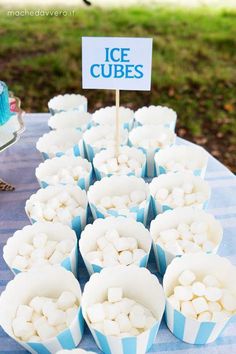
(17, 166)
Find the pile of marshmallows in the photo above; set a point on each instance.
(180, 166)
(112, 249)
(202, 299)
(186, 238)
(43, 317)
(152, 144)
(119, 316)
(41, 251)
(61, 208)
(123, 202)
(69, 175)
(179, 196)
(122, 165)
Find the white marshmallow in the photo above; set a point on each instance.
(56, 317)
(174, 302)
(198, 288)
(112, 235)
(214, 306)
(123, 322)
(102, 242)
(182, 227)
(205, 316)
(188, 187)
(49, 214)
(25, 312)
(183, 293)
(111, 328)
(66, 300)
(228, 301)
(46, 331)
(25, 249)
(56, 258)
(96, 313)
(188, 309)
(169, 235)
(20, 263)
(94, 257)
(133, 244)
(125, 305)
(111, 310)
(137, 196)
(200, 238)
(138, 254)
(48, 307)
(137, 319)
(213, 293)
(186, 278)
(65, 246)
(198, 227)
(121, 244)
(125, 258)
(37, 303)
(211, 280)
(22, 329)
(162, 193)
(114, 294)
(200, 305)
(50, 248)
(106, 202)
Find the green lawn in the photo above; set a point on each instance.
(194, 65)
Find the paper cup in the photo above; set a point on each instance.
(139, 134)
(171, 220)
(138, 284)
(61, 142)
(156, 115)
(185, 328)
(171, 159)
(44, 195)
(67, 102)
(126, 227)
(171, 180)
(100, 160)
(54, 231)
(101, 133)
(49, 281)
(70, 119)
(115, 186)
(51, 167)
(107, 116)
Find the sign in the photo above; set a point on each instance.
(116, 63)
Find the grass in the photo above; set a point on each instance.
(194, 65)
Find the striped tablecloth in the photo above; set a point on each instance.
(17, 166)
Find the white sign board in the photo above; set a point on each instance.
(116, 63)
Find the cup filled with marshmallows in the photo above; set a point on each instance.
(183, 231)
(46, 313)
(114, 241)
(120, 313)
(200, 295)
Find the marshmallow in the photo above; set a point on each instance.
(56, 317)
(186, 278)
(22, 328)
(228, 301)
(205, 316)
(112, 235)
(125, 257)
(137, 196)
(174, 302)
(198, 288)
(121, 244)
(211, 280)
(56, 257)
(65, 246)
(138, 254)
(163, 193)
(111, 328)
(214, 306)
(48, 307)
(137, 319)
(37, 303)
(20, 263)
(169, 235)
(45, 331)
(188, 309)
(106, 202)
(125, 305)
(102, 242)
(213, 293)
(123, 322)
(200, 305)
(25, 249)
(183, 293)
(114, 294)
(25, 312)
(66, 300)
(198, 227)
(96, 313)
(111, 310)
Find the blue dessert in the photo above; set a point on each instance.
(5, 113)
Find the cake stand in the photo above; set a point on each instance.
(11, 131)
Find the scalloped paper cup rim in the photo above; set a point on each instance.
(70, 119)
(181, 153)
(107, 115)
(176, 180)
(104, 155)
(44, 194)
(155, 115)
(126, 227)
(57, 136)
(49, 281)
(67, 101)
(50, 167)
(151, 131)
(55, 231)
(95, 291)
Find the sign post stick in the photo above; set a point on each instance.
(117, 127)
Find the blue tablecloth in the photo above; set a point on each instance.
(17, 166)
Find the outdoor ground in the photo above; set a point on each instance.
(194, 65)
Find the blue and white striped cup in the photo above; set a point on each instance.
(51, 167)
(69, 140)
(156, 115)
(107, 116)
(126, 227)
(115, 186)
(185, 328)
(49, 281)
(132, 279)
(54, 231)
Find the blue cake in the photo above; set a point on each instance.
(5, 113)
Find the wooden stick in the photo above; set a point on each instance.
(117, 127)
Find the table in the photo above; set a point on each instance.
(17, 165)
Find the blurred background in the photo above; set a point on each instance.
(194, 58)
